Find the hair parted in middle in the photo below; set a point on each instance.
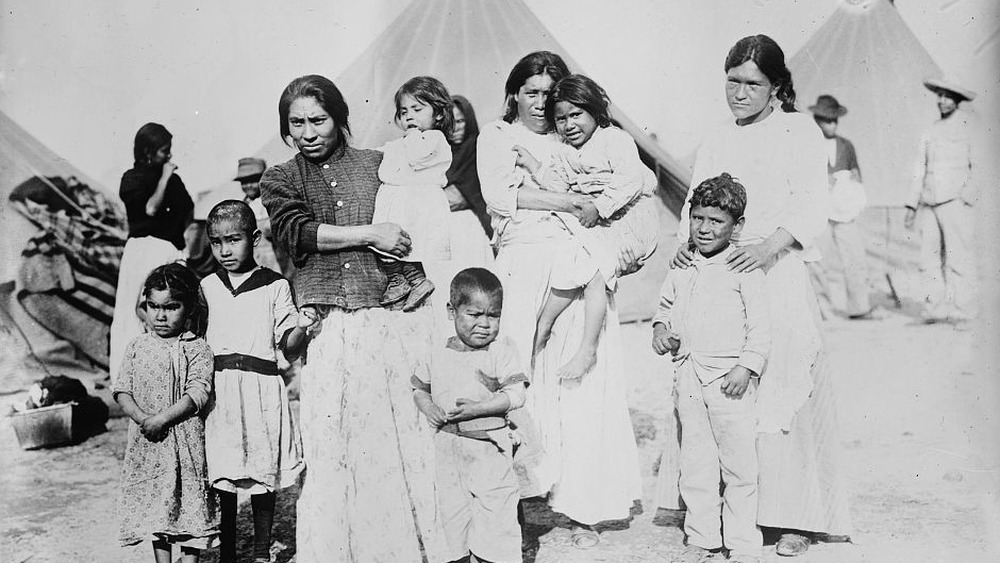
(724, 192)
(326, 94)
(235, 211)
(584, 93)
(432, 92)
(471, 280)
(532, 64)
(183, 285)
(770, 59)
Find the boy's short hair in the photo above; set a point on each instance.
(470, 280)
(724, 192)
(235, 211)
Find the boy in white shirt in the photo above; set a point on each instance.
(715, 322)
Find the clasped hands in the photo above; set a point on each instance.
(465, 409)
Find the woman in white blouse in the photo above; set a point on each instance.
(591, 468)
(778, 155)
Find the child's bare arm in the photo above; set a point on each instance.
(435, 414)
(295, 339)
(130, 407)
(467, 409)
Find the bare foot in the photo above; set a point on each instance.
(579, 365)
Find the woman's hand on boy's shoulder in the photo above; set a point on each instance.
(682, 259)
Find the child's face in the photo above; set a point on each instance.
(827, 126)
(165, 314)
(416, 114)
(573, 123)
(161, 155)
(232, 246)
(477, 321)
(711, 228)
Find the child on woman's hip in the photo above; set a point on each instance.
(615, 232)
(414, 174)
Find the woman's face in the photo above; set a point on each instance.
(161, 156)
(530, 99)
(312, 129)
(458, 133)
(573, 123)
(748, 92)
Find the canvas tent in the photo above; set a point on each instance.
(60, 245)
(867, 57)
(470, 47)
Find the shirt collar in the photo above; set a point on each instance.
(700, 260)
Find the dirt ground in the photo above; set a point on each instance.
(917, 418)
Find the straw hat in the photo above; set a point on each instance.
(827, 106)
(941, 84)
(250, 167)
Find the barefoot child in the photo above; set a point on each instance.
(251, 441)
(164, 382)
(414, 173)
(620, 232)
(715, 322)
(476, 381)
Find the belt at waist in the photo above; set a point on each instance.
(477, 428)
(244, 362)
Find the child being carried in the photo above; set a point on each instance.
(618, 229)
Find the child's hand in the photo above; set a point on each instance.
(168, 170)
(308, 317)
(154, 428)
(911, 218)
(525, 159)
(586, 212)
(735, 383)
(664, 341)
(465, 409)
(436, 417)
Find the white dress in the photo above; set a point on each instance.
(251, 440)
(592, 464)
(413, 174)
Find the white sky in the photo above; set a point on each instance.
(83, 76)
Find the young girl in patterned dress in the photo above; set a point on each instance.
(164, 381)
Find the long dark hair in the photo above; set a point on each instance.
(326, 94)
(182, 284)
(539, 62)
(770, 59)
(471, 125)
(150, 138)
(583, 93)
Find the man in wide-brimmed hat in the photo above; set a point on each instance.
(940, 204)
(248, 173)
(847, 199)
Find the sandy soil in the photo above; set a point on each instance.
(917, 415)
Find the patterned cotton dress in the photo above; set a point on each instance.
(251, 440)
(164, 484)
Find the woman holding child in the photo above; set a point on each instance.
(370, 465)
(777, 155)
(591, 470)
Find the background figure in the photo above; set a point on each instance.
(159, 209)
(940, 205)
(847, 200)
(469, 222)
(248, 174)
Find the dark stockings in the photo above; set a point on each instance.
(263, 519)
